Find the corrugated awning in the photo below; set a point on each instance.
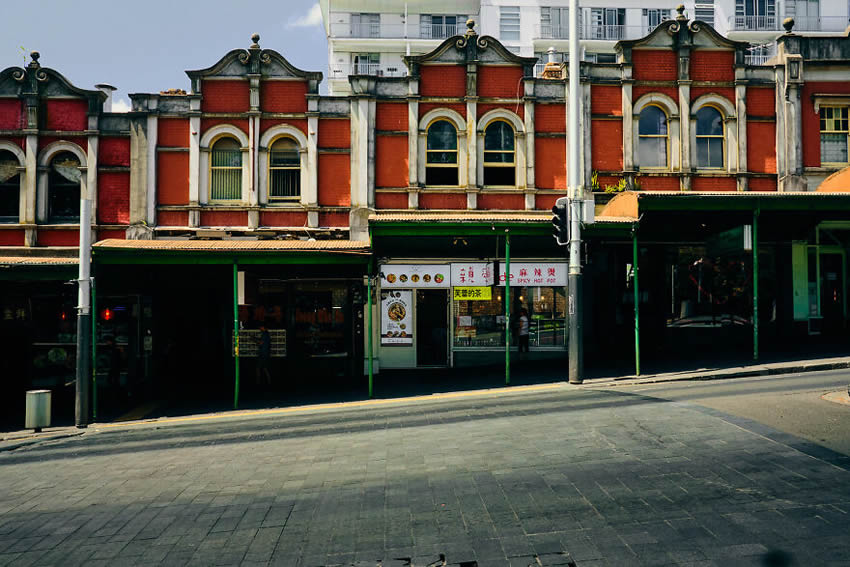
(8, 261)
(236, 245)
(461, 216)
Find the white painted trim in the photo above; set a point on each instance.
(53, 148)
(207, 140)
(15, 149)
(500, 114)
(267, 139)
(671, 109)
(22, 175)
(44, 158)
(519, 144)
(453, 117)
(730, 130)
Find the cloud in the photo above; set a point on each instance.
(120, 105)
(311, 18)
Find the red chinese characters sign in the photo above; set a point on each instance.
(535, 274)
(465, 274)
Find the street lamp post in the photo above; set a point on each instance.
(576, 362)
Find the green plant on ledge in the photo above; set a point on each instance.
(622, 185)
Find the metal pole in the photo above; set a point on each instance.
(370, 330)
(576, 355)
(93, 351)
(235, 335)
(507, 307)
(637, 301)
(756, 213)
(81, 406)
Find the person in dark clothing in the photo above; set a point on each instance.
(264, 357)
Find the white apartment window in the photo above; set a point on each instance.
(806, 14)
(509, 23)
(834, 134)
(652, 17)
(365, 25)
(755, 15)
(432, 26)
(704, 11)
(554, 23)
(366, 63)
(606, 23)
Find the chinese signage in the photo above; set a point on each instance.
(535, 273)
(478, 293)
(414, 275)
(472, 274)
(397, 317)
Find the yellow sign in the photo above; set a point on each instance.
(477, 293)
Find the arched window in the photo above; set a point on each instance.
(441, 162)
(63, 189)
(10, 188)
(499, 155)
(709, 134)
(284, 170)
(652, 134)
(225, 170)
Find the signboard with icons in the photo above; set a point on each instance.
(535, 274)
(472, 274)
(397, 318)
(415, 276)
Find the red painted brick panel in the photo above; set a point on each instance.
(391, 200)
(113, 197)
(114, 151)
(226, 96)
(426, 107)
(501, 202)
(299, 123)
(391, 116)
(334, 180)
(12, 237)
(58, 238)
(282, 218)
(761, 147)
(391, 163)
(728, 92)
(12, 115)
(172, 218)
(761, 102)
(333, 219)
(550, 160)
(499, 81)
(606, 142)
(334, 133)
(811, 120)
(546, 202)
(67, 115)
(173, 132)
(654, 65)
(172, 178)
(550, 118)
(207, 123)
(762, 184)
(605, 99)
(712, 65)
(443, 80)
(283, 96)
(442, 200)
(714, 184)
(518, 109)
(659, 183)
(224, 218)
(640, 90)
(105, 234)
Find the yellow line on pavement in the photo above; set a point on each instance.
(338, 405)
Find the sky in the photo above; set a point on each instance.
(146, 47)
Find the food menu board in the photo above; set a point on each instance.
(535, 273)
(397, 317)
(415, 275)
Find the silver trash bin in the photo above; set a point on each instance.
(38, 409)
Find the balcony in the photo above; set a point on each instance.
(440, 31)
(341, 71)
(375, 30)
(820, 23)
(607, 32)
(754, 23)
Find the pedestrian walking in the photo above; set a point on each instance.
(264, 357)
(523, 331)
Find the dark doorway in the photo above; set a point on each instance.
(432, 327)
(832, 292)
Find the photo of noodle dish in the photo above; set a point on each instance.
(396, 311)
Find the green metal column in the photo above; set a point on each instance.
(235, 335)
(637, 301)
(369, 319)
(507, 307)
(93, 351)
(756, 213)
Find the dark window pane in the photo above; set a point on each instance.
(499, 176)
(440, 176)
(63, 192)
(709, 122)
(715, 152)
(284, 159)
(9, 197)
(653, 121)
(285, 183)
(498, 157)
(499, 136)
(442, 157)
(442, 136)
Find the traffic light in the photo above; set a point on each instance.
(561, 222)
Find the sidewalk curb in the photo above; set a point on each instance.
(25, 441)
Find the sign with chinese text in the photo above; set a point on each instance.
(472, 274)
(535, 273)
(397, 318)
(478, 293)
(415, 275)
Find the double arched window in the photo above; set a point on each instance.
(284, 170)
(225, 170)
(652, 138)
(441, 159)
(499, 154)
(10, 187)
(63, 188)
(709, 138)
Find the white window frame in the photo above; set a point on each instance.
(671, 109)
(520, 177)
(19, 154)
(730, 132)
(44, 160)
(459, 122)
(207, 140)
(266, 141)
(510, 17)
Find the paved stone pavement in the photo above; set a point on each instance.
(552, 476)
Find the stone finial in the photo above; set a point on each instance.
(788, 24)
(470, 27)
(680, 9)
(35, 55)
(256, 39)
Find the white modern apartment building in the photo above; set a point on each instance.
(372, 36)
